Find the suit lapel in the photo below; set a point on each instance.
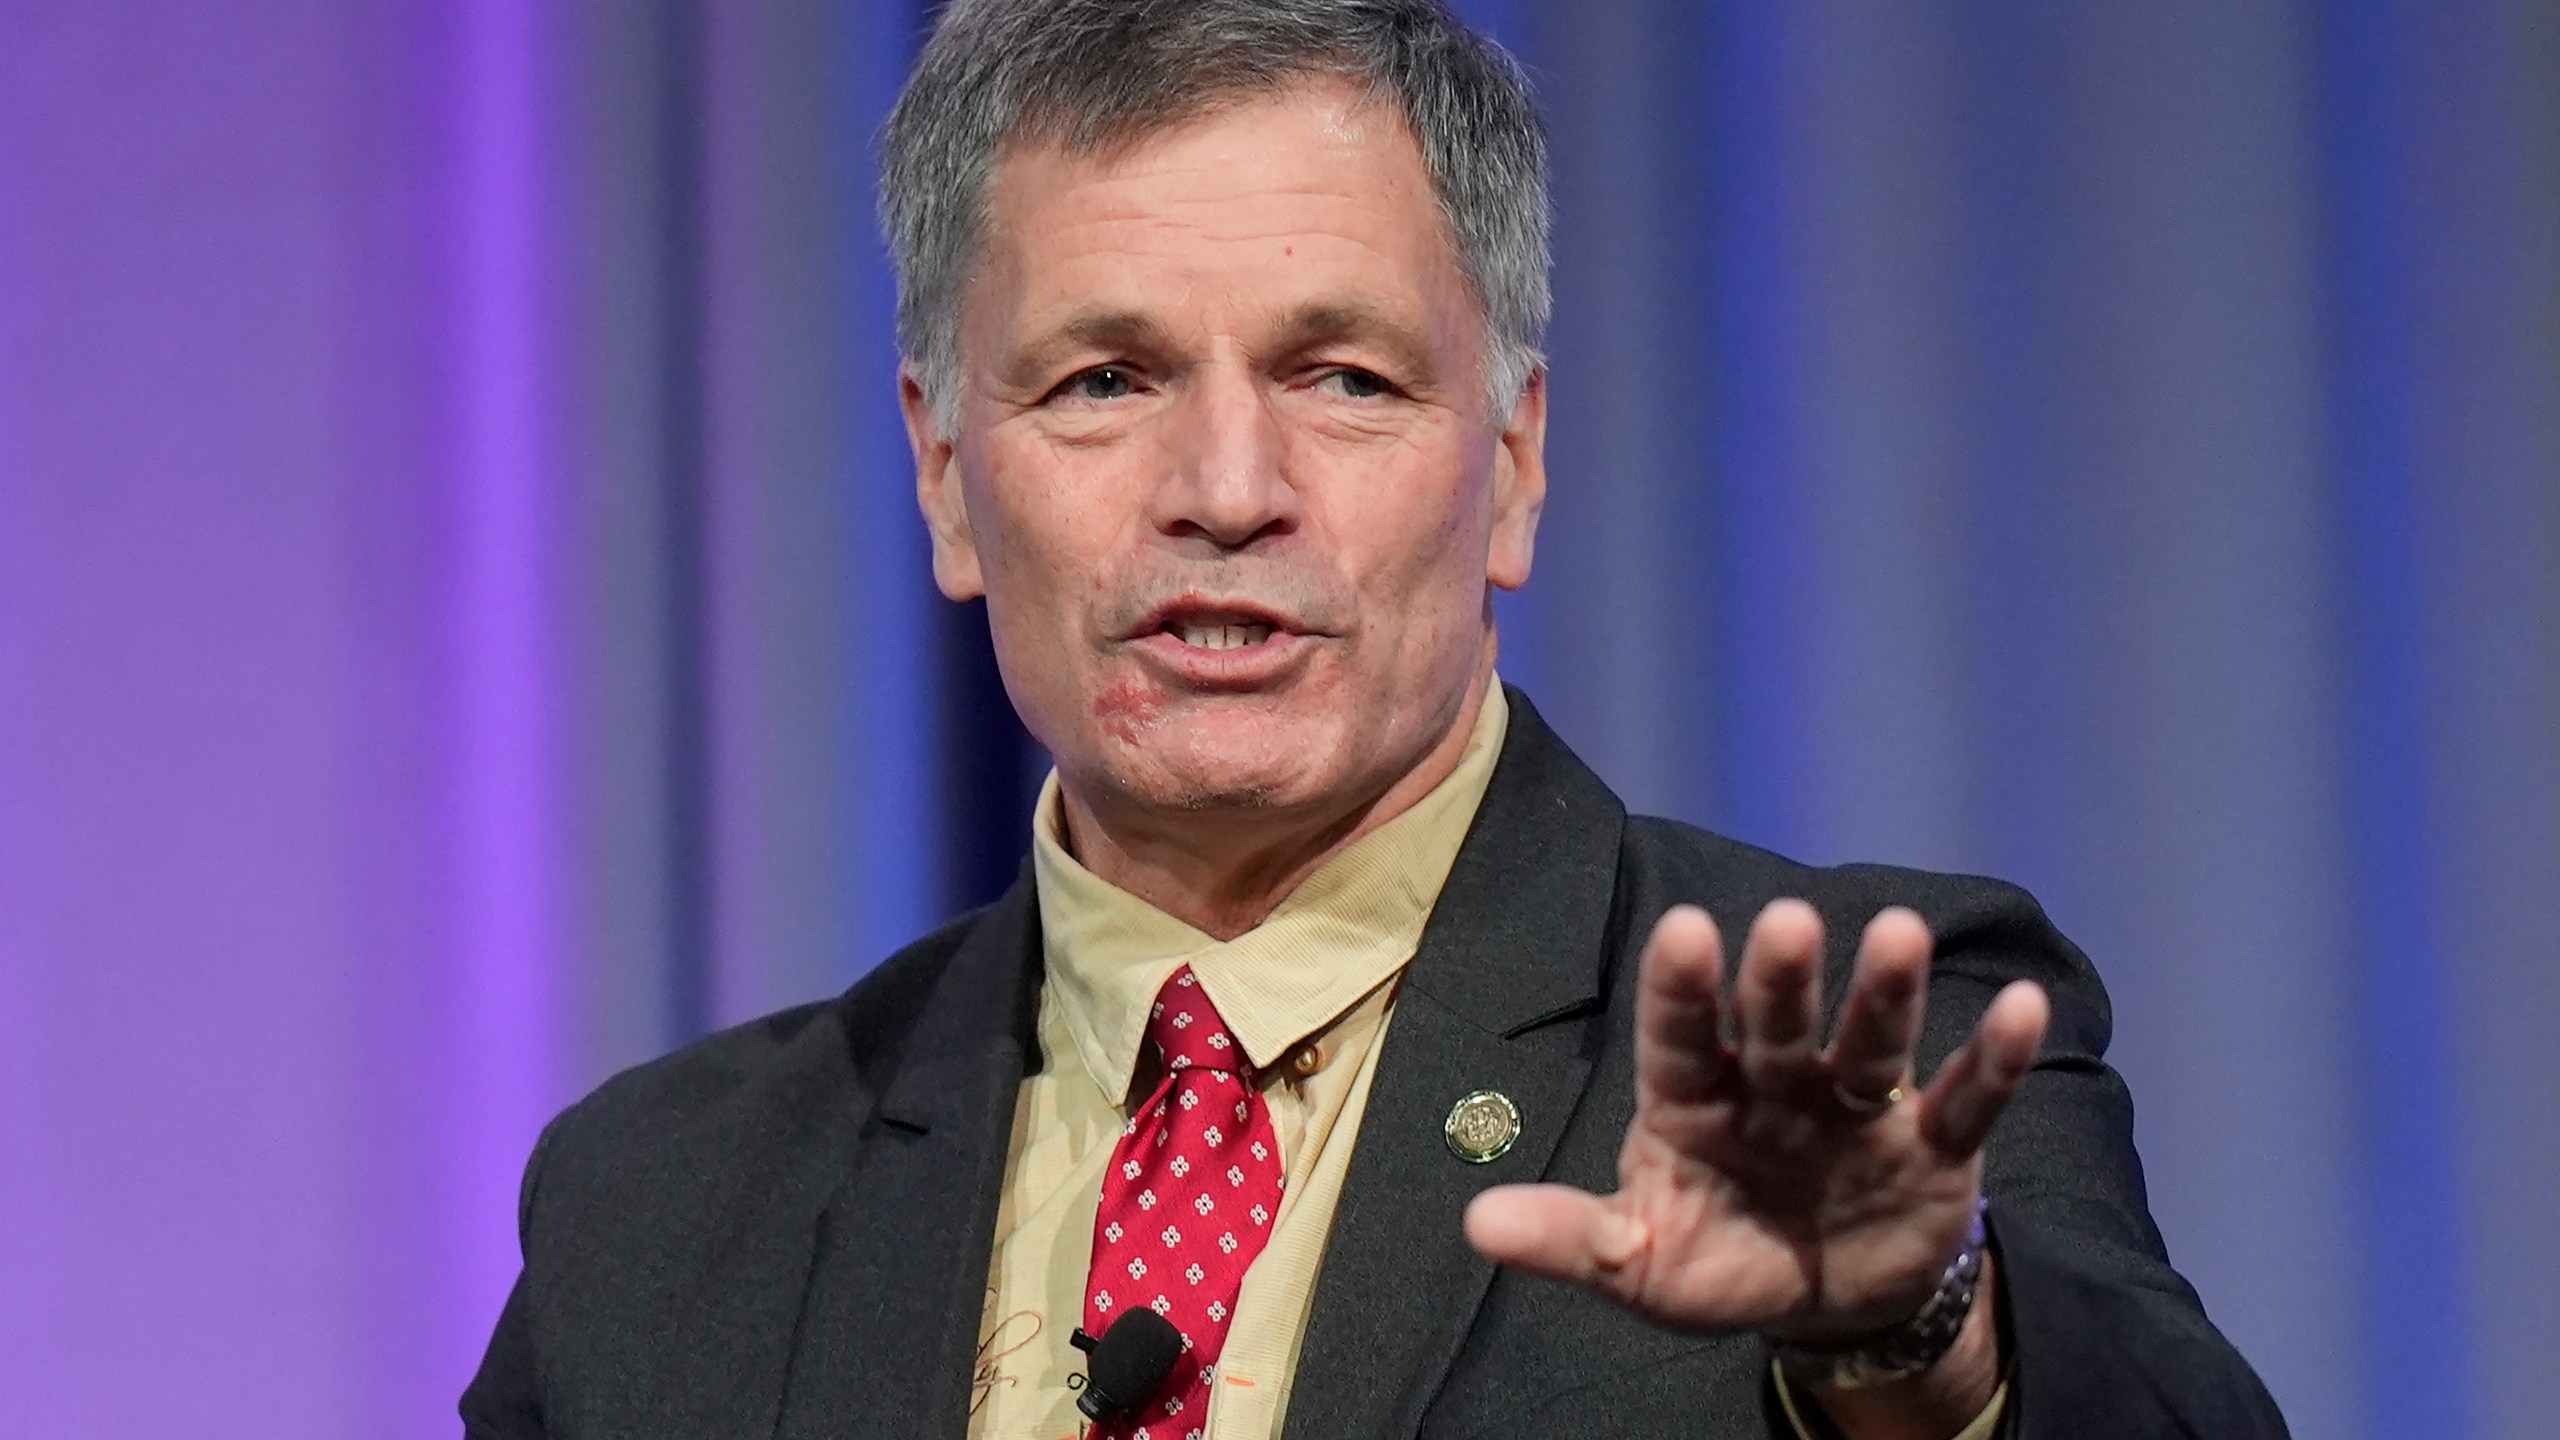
(889, 1317)
(1512, 958)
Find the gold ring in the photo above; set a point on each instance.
(1865, 1104)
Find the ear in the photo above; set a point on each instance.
(1519, 486)
(946, 510)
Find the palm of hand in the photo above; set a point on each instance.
(1756, 1188)
(1766, 1214)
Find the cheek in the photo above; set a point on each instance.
(1432, 553)
(1044, 544)
(1028, 529)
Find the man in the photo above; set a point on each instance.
(1341, 1013)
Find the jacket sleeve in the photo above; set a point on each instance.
(2104, 1338)
(2094, 1357)
(503, 1401)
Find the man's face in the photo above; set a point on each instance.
(1223, 469)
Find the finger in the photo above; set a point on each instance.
(1978, 1081)
(1680, 1049)
(1880, 1021)
(1559, 1232)
(1776, 996)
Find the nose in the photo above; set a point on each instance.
(1226, 482)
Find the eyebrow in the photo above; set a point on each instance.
(1322, 324)
(1306, 328)
(1121, 331)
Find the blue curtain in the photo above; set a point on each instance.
(463, 627)
(2118, 448)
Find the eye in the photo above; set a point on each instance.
(1353, 383)
(1099, 384)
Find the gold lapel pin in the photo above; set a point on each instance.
(1482, 1127)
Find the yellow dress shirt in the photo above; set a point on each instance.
(1308, 994)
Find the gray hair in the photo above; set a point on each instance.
(1093, 74)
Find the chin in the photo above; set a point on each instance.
(1229, 767)
(1198, 783)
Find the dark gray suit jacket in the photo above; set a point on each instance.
(784, 1229)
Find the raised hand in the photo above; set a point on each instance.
(1768, 1183)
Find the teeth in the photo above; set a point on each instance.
(1224, 637)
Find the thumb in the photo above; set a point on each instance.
(1559, 1232)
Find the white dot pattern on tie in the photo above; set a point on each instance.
(1182, 1153)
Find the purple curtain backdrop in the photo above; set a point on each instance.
(462, 628)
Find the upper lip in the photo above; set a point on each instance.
(1201, 610)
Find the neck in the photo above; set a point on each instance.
(1224, 872)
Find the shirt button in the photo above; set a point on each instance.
(1307, 1061)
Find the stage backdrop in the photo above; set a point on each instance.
(463, 628)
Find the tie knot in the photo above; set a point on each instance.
(1188, 1031)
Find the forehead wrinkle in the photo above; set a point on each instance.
(1400, 231)
(1352, 260)
(1292, 216)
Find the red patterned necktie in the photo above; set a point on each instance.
(1190, 1197)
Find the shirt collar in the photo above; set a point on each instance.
(1340, 935)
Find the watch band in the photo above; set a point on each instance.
(1906, 1349)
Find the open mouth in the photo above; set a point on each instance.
(1222, 641)
(1214, 634)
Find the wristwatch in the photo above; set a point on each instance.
(1906, 1349)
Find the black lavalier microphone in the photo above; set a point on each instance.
(1131, 1359)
